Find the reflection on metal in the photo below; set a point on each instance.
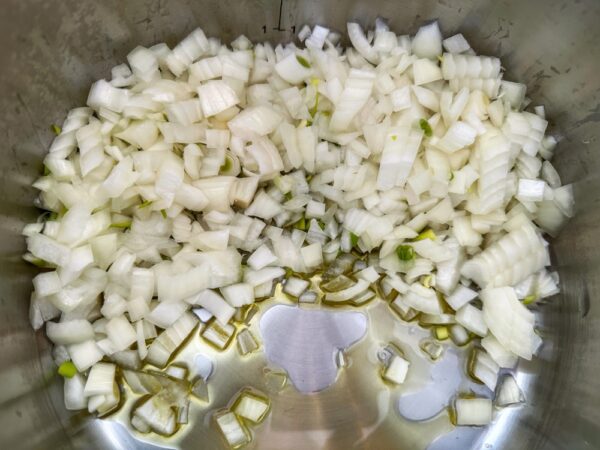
(305, 342)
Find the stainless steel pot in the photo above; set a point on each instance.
(53, 50)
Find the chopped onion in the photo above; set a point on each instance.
(215, 304)
(70, 332)
(169, 340)
(295, 286)
(472, 319)
(234, 431)
(251, 407)
(217, 335)
(205, 177)
(473, 411)
(215, 97)
(396, 370)
(246, 342)
(509, 321)
(508, 392)
(85, 354)
(427, 43)
(100, 380)
(238, 294)
(73, 393)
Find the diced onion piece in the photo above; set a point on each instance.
(233, 430)
(254, 121)
(47, 283)
(169, 340)
(295, 286)
(396, 370)
(73, 393)
(246, 342)
(100, 379)
(473, 411)
(485, 369)
(503, 357)
(215, 304)
(423, 299)
(251, 407)
(460, 297)
(121, 333)
(399, 153)
(509, 321)
(166, 313)
(103, 95)
(85, 354)
(508, 392)
(459, 135)
(258, 277)
(361, 44)
(217, 335)
(69, 332)
(216, 96)
(157, 414)
(425, 71)
(261, 258)
(472, 319)
(456, 44)
(531, 190)
(349, 293)
(427, 43)
(292, 70)
(238, 294)
(353, 98)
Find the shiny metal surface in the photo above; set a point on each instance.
(52, 51)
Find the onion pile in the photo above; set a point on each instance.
(402, 169)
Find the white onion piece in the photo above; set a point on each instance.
(47, 283)
(508, 392)
(166, 313)
(425, 71)
(353, 98)
(103, 95)
(215, 97)
(169, 340)
(473, 411)
(423, 299)
(120, 332)
(361, 44)
(295, 286)
(155, 415)
(396, 370)
(502, 356)
(292, 70)
(73, 393)
(100, 380)
(239, 294)
(456, 44)
(85, 354)
(472, 319)
(495, 267)
(71, 332)
(399, 153)
(251, 407)
(233, 429)
(254, 121)
(215, 304)
(509, 321)
(460, 297)
(427, 43)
